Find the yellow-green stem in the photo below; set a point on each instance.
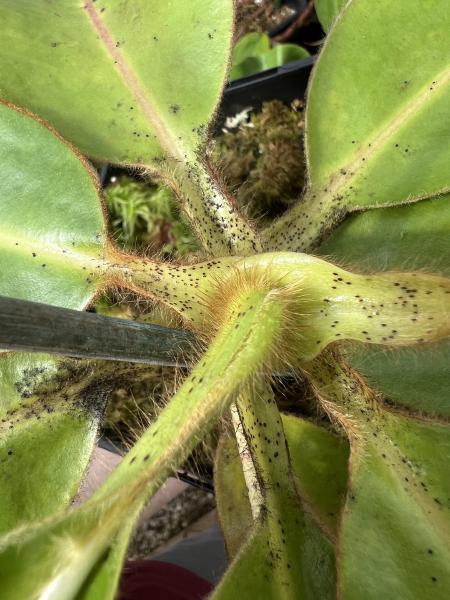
(330, 304)
(242, 347)
(305, 225)
(210, 210)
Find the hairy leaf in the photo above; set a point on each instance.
(367, 136)
(374, 140)
(396, 517)
(52, 230)
(416, 379)
(399, 498)
(45, 440)
(130, 84)
(70, 549)
(319, 461)
(124, 77)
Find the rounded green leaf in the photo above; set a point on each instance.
(282, 54)
(127, 82)
(247, 67)
(378, 118)
(51, 230)
(251, 44)
(257, 56)
(379, 106)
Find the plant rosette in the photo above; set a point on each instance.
(334, 290)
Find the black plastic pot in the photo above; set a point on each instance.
(284, 83)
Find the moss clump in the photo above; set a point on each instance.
(144, 216)
(263, 160)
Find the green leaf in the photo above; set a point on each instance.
(374, 141)
(413, 378)
(43, 456)
(327, 11)
(233, 506)
(132, 83)
(282, 54)
(249, 66)
(128, 82)
(104, 579)
(54, 260)
(250, 45)
(381, 140)
(396, 521)
(400, 238)
(253, 54)
(403, 238)
(311, 567)
(319, 461)
(52, 230)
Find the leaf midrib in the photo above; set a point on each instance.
(337, 182)
(19, 244)
(131, 81)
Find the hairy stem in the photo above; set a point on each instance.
(281, 513)
(329, 304)
(243, 346)
(305, 225)
(211, 211)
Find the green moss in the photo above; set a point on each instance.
(263, 160)
(144, 216)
